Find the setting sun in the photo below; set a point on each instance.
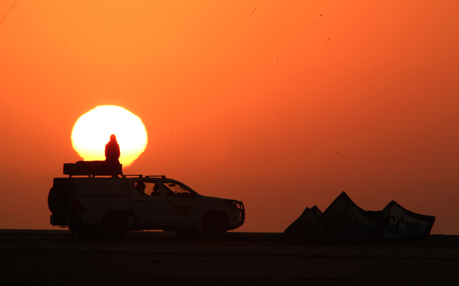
(93, 129)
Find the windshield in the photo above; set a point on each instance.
(175, 189)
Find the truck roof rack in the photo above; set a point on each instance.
(156, 176)
(92, 175)
(141, 176)
(133, 175)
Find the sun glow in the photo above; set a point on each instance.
(93, 129)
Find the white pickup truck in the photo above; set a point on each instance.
(111, 206)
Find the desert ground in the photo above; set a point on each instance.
(55, 257)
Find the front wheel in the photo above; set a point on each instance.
(214, 226)
(114, 227)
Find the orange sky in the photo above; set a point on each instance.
(280, 104)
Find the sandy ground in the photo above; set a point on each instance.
(39, 257)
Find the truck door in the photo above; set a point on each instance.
(182, 204)
(150, 205)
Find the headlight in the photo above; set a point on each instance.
(233, 204)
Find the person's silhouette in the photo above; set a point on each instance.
(141, 188)
(112, 151)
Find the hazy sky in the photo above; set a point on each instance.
(280, 104)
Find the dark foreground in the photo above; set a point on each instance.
(40, 257)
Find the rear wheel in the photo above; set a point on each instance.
(114, 227)
(214, 226)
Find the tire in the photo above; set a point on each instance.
(214, 226)
(57, 200)
(114, 227)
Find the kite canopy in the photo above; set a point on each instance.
(345, 222)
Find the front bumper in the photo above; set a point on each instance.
(240, 219)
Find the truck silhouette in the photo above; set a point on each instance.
(92, 204)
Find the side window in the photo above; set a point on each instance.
(177, 190)
(147, 188)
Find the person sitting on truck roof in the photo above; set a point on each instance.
(112, 151)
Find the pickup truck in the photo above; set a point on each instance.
(112, 206)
